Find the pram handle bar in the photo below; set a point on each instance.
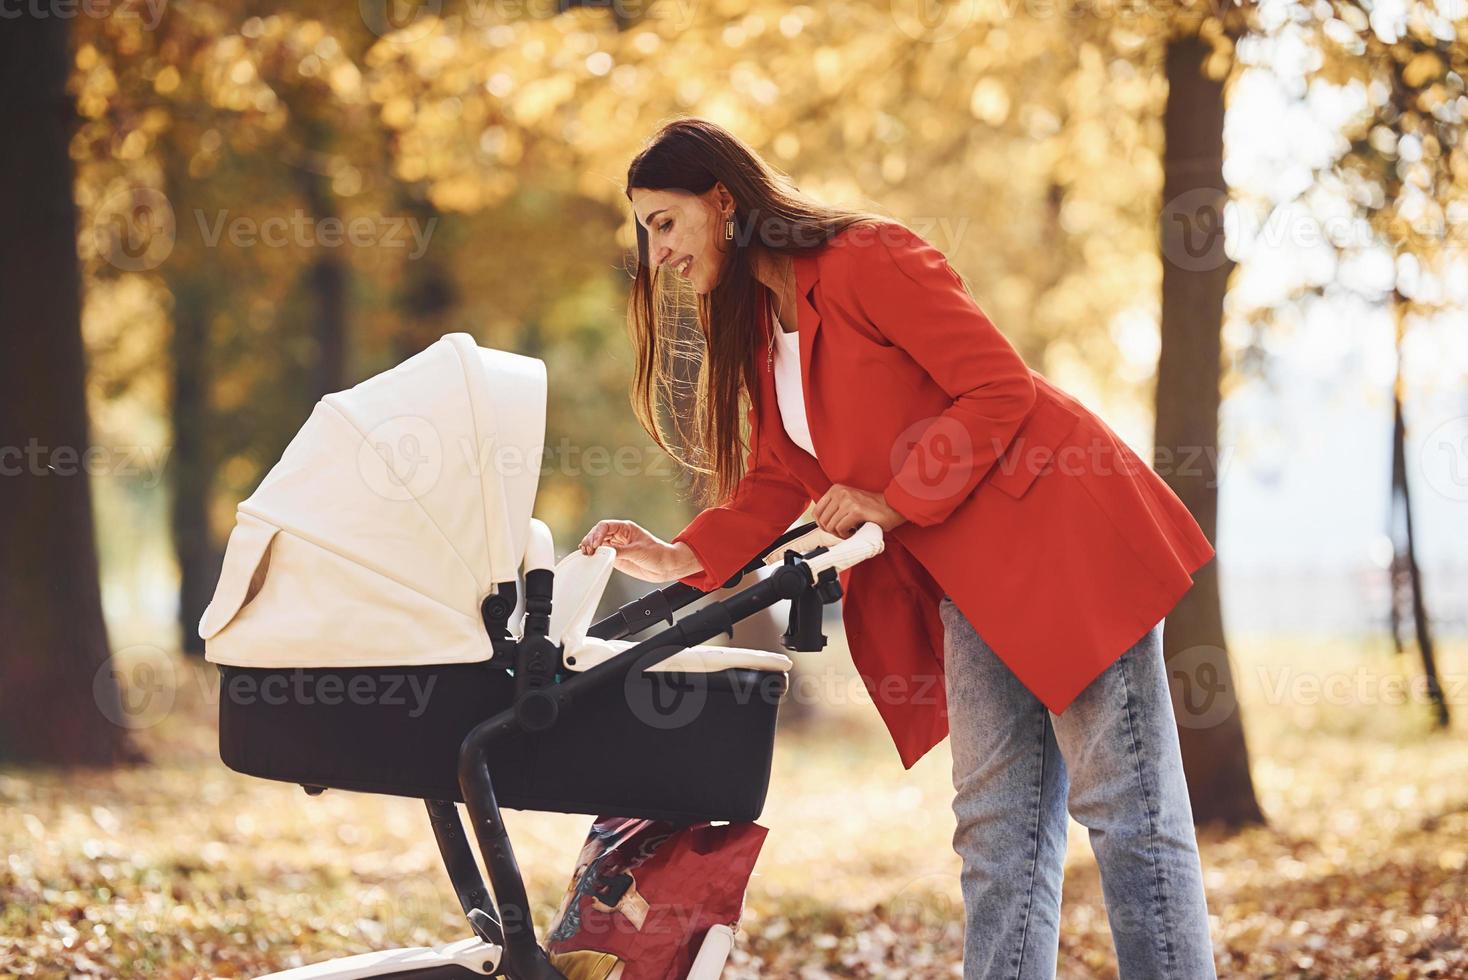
(524, 958)
(863, 543)
(660, 604)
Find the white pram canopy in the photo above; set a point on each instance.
(398, 507)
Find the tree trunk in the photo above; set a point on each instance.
(1195, 273)
(327, 282)
(191, 463)
(1407, 556)
(1400, 583)
(59, 702)
(192, 466)
(428, 297)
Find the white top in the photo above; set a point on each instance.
(789, 391)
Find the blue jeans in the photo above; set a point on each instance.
(1112, 760)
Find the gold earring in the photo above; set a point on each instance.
(728, 229)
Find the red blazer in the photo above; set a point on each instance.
(1056, 541)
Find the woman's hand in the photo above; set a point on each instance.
(640, 553)
(843, 509)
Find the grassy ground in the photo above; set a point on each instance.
(183, 869)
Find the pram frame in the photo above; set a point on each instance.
(525, 958)
(499, 913)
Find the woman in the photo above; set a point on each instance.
(1030, 556)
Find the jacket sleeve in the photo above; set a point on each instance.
(766, 501)
(912, 296)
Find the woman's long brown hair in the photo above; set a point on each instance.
(691, 155)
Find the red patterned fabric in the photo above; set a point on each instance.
(644, 894)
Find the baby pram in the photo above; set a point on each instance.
(390, 618)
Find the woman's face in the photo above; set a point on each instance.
(684, 231)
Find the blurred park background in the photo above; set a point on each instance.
(1237, 227)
